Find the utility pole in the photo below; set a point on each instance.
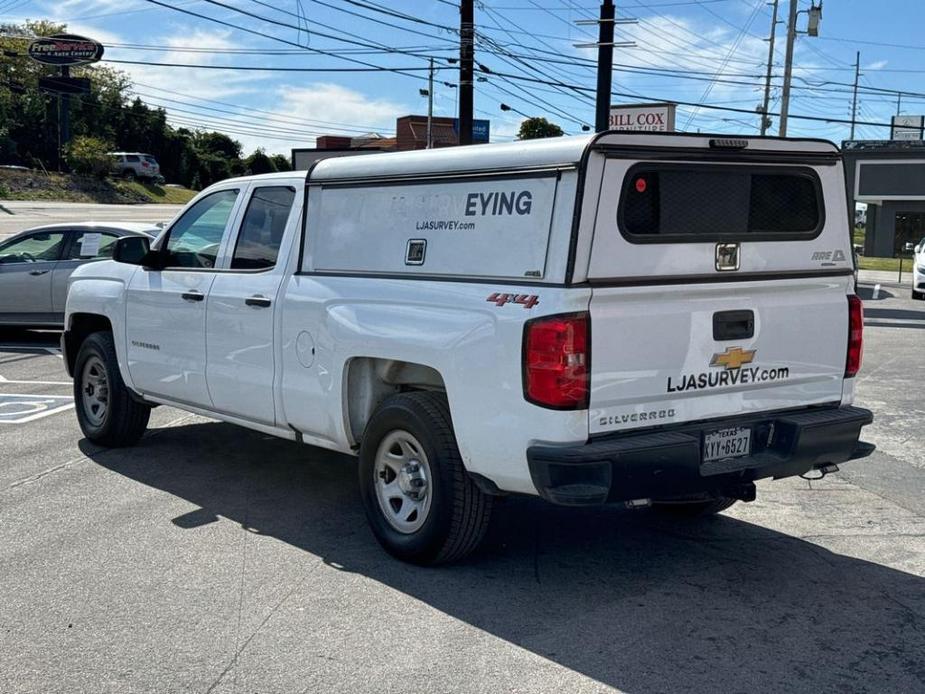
(604, 66)
(788, 68)
(854, 99)
(899, 103)
(430, 106)
(765, 121)
(466, 60)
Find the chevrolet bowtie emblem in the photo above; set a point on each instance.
(733, 358)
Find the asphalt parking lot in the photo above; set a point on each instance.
(214, 559)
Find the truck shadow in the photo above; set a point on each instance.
(623, 597)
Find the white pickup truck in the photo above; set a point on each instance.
(647, 319)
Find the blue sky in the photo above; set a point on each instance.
(709, 52)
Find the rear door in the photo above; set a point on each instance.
(719, 284)
(82, 247)
(242, 307)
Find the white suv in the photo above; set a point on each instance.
(132, 165)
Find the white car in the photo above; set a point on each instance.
(918, 272)
(644, 319)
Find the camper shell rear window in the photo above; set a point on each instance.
(662, 203)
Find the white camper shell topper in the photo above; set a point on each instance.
(649, 319)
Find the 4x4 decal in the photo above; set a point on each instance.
(526, 300)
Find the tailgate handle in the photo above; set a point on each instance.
(733, 325)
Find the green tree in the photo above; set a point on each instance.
(259, 163)
(534, 128)
(281, 162)
(88, 155)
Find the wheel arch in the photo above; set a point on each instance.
(79, 327)
(368, 381)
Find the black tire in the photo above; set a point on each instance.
(693, 509)
(128, 175)
(123, 420)
(459, 511)
(918, 296)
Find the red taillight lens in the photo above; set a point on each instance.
(855, 336)
(557, 361)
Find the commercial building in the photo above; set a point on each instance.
(889, 176)
(410, 134)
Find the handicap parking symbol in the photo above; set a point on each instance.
(19, 409)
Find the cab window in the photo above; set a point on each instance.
(42, 246)
(194, 239)
(262, 228)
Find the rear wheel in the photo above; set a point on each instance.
(106, 411)
(128, 175)
(918, 296)
(695, 508)
(421, 504)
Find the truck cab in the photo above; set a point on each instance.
(643, 319)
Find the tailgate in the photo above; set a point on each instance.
(718, 286)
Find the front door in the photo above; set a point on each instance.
(166, 309)
(26, 267)
(242, 307)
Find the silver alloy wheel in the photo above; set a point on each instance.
(403, 481)
(94, 390)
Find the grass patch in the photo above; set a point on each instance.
(888, 264)
(170, 195)
(17, 184)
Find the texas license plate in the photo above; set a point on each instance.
(733, 442)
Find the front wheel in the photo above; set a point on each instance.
(918, 296)
(419, 500)
(106, 411)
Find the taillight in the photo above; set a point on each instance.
(557, 361)
(855, 335)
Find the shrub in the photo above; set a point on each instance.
(88, 155)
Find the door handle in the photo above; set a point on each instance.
(258, 301)
(193, 296)
(36, 273)
(733, 325)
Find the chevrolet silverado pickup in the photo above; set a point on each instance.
(646, 319)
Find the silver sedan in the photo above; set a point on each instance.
(35, 265)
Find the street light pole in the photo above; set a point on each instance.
(765, 121)
(788, 68)
(604, 66)
(430, 106)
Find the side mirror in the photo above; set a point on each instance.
(132, 250)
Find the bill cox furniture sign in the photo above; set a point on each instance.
(647, 117)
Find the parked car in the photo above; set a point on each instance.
(632, 318)
(132, 165)
(918, 272)
(35, 266)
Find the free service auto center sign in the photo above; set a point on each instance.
(65, 50)
(644, 117)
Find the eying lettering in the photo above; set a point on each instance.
(498, 203)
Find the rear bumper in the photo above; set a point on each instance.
(668, 463)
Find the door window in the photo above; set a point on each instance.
(35, 248)
(91, 244)
(263, 227)
(194, 239)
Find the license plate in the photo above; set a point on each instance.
(733, 442)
